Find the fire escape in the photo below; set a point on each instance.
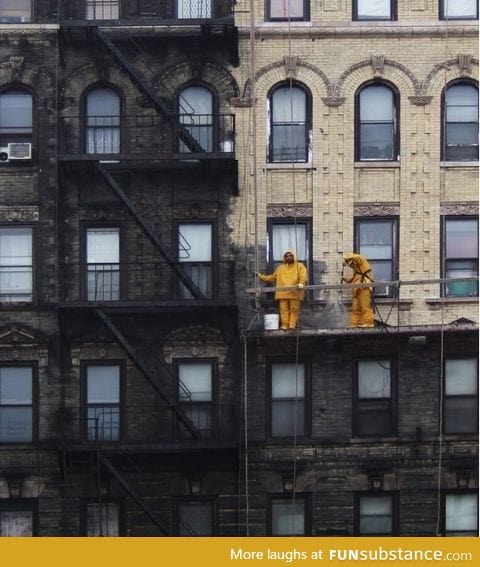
(117, 308)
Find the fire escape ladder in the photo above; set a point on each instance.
(148, 374)
(152, 236)
(131, 491)
(161, 106)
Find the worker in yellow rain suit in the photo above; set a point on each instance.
(289, 274)
(362, 310)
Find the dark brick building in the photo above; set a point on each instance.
(133, 399)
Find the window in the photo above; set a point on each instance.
(18, 518)
(196, 116)
(288, 516)
(16, 270)
(460, 255)
(288, 10)
(375, 514)
(461, 514)
(289, 107)
(376, 239)
(195, 394)
(194, 9)
(102, 9)
(376, 124)
(195, 253)
(16, 118)
(16, 404)
(196, 518)
(288, 235)
(373, 412)
(458, 9)
(103, 121)
(461, 395)
(15, 11)
(373, 9)
(103, 519)
(460, 122)
(103, 264)
(103, 402)
(288, 417)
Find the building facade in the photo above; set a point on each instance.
(153, 157)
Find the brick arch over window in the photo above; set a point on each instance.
(16, 71)
(90, 75)
(203, 72)
(405, 80)
(280, 71)
(445, 73)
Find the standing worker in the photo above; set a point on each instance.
(289, 274)
(362, 310)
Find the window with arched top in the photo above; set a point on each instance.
(16, 116)
(289, 107)
(195, 107)
(460, 122)
(103, 121)
(376, 128)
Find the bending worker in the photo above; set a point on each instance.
(362, 310)
(289, 274)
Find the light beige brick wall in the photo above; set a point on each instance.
(331, 65)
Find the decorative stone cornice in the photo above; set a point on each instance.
(19, 214)
(21, 336)
(420, 100)
(241, 102)
(378, 63)
(16, 67)
(465, 63)
(290, 62)
(376, 209)
(289, 210)
(459, 208)
(195, 334)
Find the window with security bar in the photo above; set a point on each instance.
(102, 9)
(16, 264)
(15, 11)
(102, 385)
(103, 121)
(460, 256)
(195, 107)
(16, 404)
(288, 10)
(460, 122)
(376, 239)
(103, 263)
(195, 395)
(194, 9)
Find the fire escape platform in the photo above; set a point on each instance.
(157, 448)
(149, 307)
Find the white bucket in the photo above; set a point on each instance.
(271, 322)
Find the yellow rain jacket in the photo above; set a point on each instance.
(288, 275)
(362, 271)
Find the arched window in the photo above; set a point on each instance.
(289, 124)
(195, 107)
(460, 122)
(103, 121)
(376, 123)
(16, 112)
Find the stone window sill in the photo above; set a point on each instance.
(289, 166)
(450, 300)
(459, 164)
(377, 164)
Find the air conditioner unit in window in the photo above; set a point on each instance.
(19, 150)
(3, 155)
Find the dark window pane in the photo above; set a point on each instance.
(103, 423)
(459, 134)
(462, 238)
(289, 143)
(288, 418)
(376, 515)
(103, 520)
(195, 518)
(16, 424)
(288, 517)
(15, 112)
(16, 11)
(461, 153)
(373, 421)
(461, 415)
(16, 523)
(376, 141)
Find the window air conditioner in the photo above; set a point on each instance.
(3, 155)
(19, 150)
